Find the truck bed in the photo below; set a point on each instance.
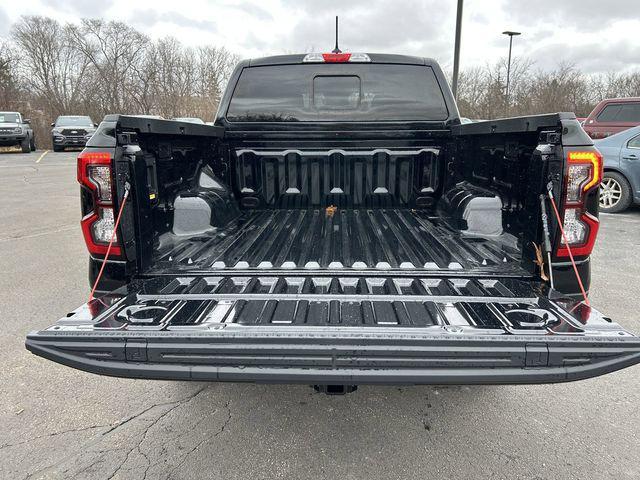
(385, 288)
(340, 239)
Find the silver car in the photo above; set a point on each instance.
(621, 180)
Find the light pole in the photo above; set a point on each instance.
(456, 51)
(511, 35)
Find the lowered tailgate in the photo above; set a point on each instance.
(400, 329)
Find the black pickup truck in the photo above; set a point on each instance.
(338, 226)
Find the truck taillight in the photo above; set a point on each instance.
(100, 176)
(95, 173)
(584, 173)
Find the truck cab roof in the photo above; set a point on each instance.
(375, 58)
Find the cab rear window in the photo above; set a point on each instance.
(337, 92)
(620, 112)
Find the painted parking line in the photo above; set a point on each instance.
(42, 156)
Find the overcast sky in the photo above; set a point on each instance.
(596, 35)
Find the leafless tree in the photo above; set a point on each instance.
(113, 49)
(561, 89)
(482, 90)
(9, 89)
(482, 95)
(142, 80)
(98, 67)
(214, 68)
(615, 84)
(176, 77)
(51, 66)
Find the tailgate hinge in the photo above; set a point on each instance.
(550, 137)
(135, 350)
(536, 355)
(127, 138)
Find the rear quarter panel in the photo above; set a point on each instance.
(610, 155)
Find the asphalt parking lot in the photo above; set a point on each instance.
(62, 423)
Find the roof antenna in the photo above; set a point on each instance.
(336, 50)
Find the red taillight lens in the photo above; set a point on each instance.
(97, 228)
(581, 229)
(94, 173)
(584, 173)
(336, 57)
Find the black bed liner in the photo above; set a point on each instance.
(170, 302)
(318, 239)
(371, 330)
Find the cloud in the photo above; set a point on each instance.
(418, 28)
(574, 13)
(252, 10)
(595, 35)
(5, 24)
(82, 8)
(592, 58)
(150, 18)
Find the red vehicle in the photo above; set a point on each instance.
(613, 115)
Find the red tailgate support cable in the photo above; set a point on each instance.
(113, 237)
(568, 247)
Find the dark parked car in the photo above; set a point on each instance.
(338, 225)
(611, 116)
(621, 180)
(14, 130)
(71, 131)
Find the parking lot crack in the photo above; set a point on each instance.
(143, 435)
(203, 441)
(37, 234)
(227, 421)
(151, 407)
(110, 428)
(53, 434)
